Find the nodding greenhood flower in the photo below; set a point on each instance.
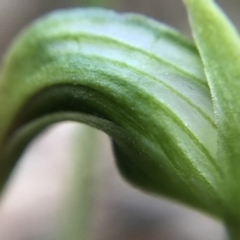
(175, 129)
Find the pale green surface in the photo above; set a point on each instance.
(144, 85)
(219, 47)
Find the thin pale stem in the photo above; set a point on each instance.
(78, 210)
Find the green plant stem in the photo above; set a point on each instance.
(78, 212)
(219, 46)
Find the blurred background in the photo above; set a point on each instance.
(30, 207)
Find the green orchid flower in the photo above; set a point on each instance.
(170, 105)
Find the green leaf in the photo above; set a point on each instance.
(219, 46)
(135, 79)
